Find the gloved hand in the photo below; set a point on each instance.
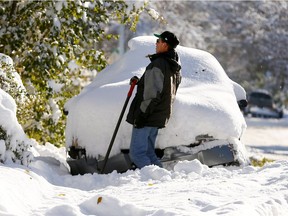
(134, 79)
(140, 121)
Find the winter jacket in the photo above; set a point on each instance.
(156, 91)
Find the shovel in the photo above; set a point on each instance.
(132, 85)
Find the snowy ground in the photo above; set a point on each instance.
(45, 187)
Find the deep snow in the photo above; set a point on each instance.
(45, 187)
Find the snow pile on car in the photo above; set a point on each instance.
(206, 102)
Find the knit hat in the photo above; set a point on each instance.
(169, 38)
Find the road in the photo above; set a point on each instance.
(267, 138)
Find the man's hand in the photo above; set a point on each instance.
(134, 79)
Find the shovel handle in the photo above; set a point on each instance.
(134, 82)
(132, 85)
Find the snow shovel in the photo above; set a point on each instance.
(132, 85)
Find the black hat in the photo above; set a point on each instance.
(169, 38)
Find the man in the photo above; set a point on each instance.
(151, 107)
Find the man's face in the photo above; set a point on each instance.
(161, 46)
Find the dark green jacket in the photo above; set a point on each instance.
(156, 90)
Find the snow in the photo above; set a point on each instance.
(45, 187)
(14, 131)
(206, 98)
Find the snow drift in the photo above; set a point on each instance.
(206, 102)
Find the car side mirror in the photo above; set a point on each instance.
(242, 103)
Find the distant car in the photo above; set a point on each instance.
(261, 104)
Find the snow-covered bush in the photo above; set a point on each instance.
(14, 144)
(10, 80)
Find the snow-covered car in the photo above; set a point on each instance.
(206, 123)
(261, 104)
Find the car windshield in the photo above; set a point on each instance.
(260, 95)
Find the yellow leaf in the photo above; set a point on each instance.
(61, 194)
(99, 200)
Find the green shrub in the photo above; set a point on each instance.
(57, 44)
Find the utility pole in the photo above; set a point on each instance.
(121, 44)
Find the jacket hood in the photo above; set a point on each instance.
(171, 56)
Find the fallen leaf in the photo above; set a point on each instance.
(99, 200)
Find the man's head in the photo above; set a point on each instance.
(167, 40)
